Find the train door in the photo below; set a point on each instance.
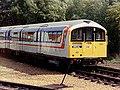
(7, 38)
(75, 45)
(93, 42)
(88, 40)
(40, 39)
(20, 40)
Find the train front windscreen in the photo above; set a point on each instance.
(88, 34)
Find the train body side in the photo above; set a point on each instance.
(37, 40)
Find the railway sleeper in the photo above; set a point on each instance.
(94, 69)
(96, 77)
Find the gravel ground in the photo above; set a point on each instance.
(13, 71)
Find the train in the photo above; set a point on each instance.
(82, 42)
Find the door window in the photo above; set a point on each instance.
(89, 34)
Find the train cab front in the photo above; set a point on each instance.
(88, 45)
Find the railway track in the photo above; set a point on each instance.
(99, 74)
(15, 86)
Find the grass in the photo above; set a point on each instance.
(115, 61)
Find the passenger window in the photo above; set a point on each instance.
(58, 36)
(54, 34)
(29, 36)
(14, 36)
(2, 36)
(46, 38)
(23, 36)
(51, 36)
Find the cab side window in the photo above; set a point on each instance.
(77, 34)
(100, 35)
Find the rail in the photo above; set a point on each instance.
(16, 86)
(106, 75)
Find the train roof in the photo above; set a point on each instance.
(73, 23)
(61, 23)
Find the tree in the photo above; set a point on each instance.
(5, 13)
(36, 11)
(88, 9)
(50, 10)
(113, 26)
(25, 11)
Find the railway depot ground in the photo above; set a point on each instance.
(13, 71)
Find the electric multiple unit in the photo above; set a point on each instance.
(82, 41)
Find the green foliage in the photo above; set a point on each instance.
(25, 11)
(5, 12)
(33, 11)
(113, 13)
(113, 27)
(88, 9)
(50, 10)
